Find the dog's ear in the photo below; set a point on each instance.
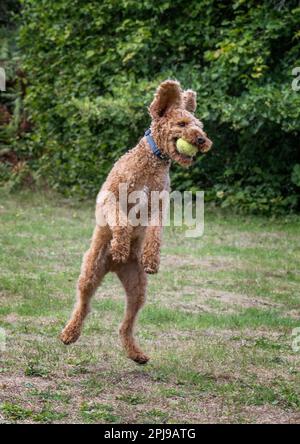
(190, 100)
(167, 95)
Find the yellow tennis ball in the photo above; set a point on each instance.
(186, 148)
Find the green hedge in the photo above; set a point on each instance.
(93, 66)
(8, 8)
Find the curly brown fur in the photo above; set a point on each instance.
(132, 251)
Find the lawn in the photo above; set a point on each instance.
(217, 325)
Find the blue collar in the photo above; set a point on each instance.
(154, 147)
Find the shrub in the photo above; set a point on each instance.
(93, 67)
(13, 121)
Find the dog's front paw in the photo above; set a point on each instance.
(150, 264)
(119, 251)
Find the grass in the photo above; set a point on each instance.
(218, 323)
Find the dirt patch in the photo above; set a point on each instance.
(237, 298)
(14, 386)
(209, 300)
(12, 318)
(214, 263)
(267, 414)
(247, 334)
(250, 239)
(294, 314)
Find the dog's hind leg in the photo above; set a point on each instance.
(93, 269)
(134, 280)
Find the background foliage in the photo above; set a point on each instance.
(92, 68)
(14, 170)
(7, 8)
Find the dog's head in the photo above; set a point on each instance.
(172, 111)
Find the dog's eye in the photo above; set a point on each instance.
(181, 123)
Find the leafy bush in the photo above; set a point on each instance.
(13, 121)
(7, 10)
(93, 67)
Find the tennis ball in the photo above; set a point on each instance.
(186, 148)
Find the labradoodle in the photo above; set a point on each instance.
(130, 250)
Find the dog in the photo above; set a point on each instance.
(128, 250)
